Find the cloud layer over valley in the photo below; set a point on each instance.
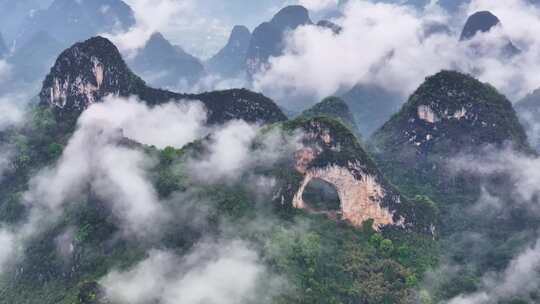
(396, 47)
(105, 162)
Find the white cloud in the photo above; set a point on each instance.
(202, 27)
(522, 170)
(117, 173)
(211, 273)
(379, 42)
(519, 279)
(231, 151)
(183, 21)
(388, 45)
(211, 82)
(151, 16)
(5, 71)
(12, 114)
(98, 159)
(8, 245)
(172, 124)
(522, 275)
(94, 159)
(318, 5)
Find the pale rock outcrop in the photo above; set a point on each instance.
(361, 192)
(460, 114)
(360, 198)
(427, 114)
(87, 89)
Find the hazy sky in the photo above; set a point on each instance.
(203, 26)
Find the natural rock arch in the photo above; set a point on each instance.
(330, 152)
(360, 198)
(322, 197)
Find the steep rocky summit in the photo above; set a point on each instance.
(85, 73)
(450, 113)
(331, 153)
(91, 70)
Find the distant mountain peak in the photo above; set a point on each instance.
(333, 107)
(371, 106)
(170, 62)
(267, 38)
(239, 32)
(484, 22)
(479, 22)
(158, 42)
(156, 37)
(291, 17)
(229, 61)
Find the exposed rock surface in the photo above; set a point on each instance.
(331, 153)
(91, 70)
(360, 198)
(450, 113)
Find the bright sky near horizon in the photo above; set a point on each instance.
(203, 26)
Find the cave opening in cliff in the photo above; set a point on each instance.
(321, 196)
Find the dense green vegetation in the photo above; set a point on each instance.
(422, 166)
(322, 261)
(318, 257)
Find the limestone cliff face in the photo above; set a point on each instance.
(93, 69)
(87, 89)
(85, 73)
(331, 153)
(360, 198)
